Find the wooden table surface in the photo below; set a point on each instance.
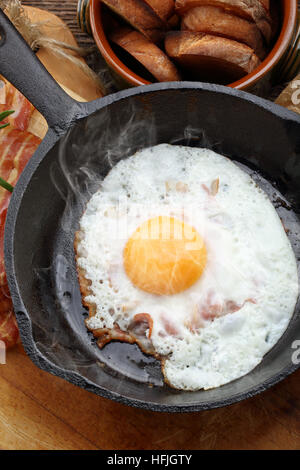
(40, 411)
(45, 412)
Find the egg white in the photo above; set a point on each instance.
(249, 257)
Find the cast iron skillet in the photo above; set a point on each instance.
(40, 224)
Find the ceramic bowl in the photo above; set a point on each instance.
(281, 64)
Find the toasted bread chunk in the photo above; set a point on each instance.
(174, 21)
(275, 14)
(216, 21)
(265, 4)
(249, 9)
(147, 53)
(139, 15)
(163, 8)
(210, 58)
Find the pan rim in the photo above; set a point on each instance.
(76, 379)
(51, 138)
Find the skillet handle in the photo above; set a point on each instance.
(20, 66)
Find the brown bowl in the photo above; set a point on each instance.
(261, 75)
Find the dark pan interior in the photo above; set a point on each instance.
(269, 146)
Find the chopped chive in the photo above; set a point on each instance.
(4, 115)
(6, 185)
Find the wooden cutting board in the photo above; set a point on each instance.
(40, 411)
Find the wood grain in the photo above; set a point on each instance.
(40, 411)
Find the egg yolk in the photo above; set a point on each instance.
(164, 256)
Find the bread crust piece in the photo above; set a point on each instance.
(163, 8)
(216, 21)
(249, 9)
(141, 16)
(265, 4)
(174, 21)
(210, 57)
(147, 53)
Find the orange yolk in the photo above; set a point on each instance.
(164, 256)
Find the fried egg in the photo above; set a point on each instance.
(180, 251)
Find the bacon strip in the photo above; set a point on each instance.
(16, 148)
(210, 309)
(142, 322)
(9, 332)
(137, 333)
(214, 187)
(11, 98)
(106, 335)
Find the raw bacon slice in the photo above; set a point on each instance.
(11, 98)
(16, 148)
(9, 332)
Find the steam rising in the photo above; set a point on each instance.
(85, 156)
